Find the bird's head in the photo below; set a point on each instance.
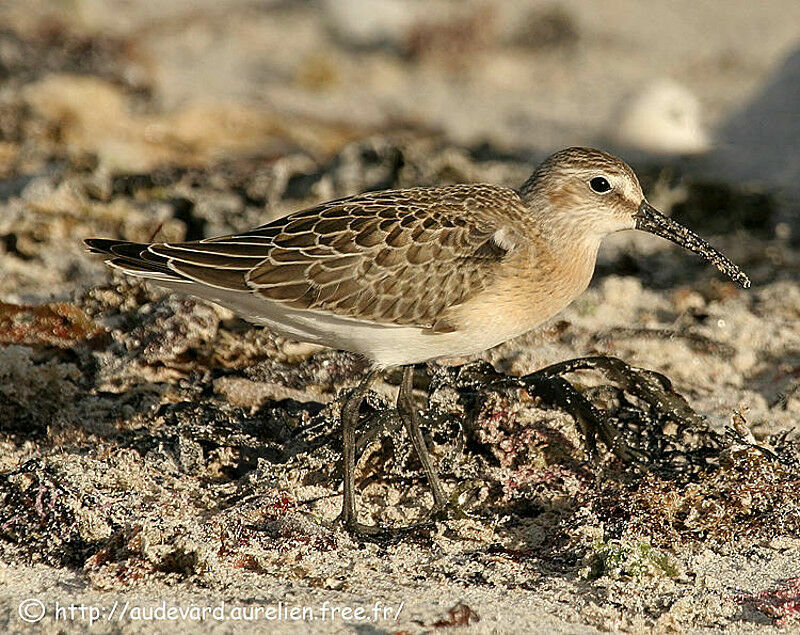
(583, 194)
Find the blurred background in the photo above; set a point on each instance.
(147, 439)
(192, 117)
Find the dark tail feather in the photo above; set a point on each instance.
(130, 257)
(103, 245)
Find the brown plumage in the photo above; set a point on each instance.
(406, 276)
(403, 276)
(403, 257)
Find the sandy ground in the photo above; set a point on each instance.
(161, 458)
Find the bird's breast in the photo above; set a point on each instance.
(527, 292)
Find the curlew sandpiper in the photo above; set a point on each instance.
(407, 276)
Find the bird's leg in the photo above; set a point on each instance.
(408, 413)
(350, 412)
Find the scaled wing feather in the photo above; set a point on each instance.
(402, 257)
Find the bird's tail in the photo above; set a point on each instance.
(133, 259)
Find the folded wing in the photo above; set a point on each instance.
(402, 257)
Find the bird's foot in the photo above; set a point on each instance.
(452, 508)
(385, 534)
(350, 524)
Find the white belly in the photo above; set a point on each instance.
(385, 345)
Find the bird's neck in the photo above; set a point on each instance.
(565, 261)
(576, 257)
(565, 238)
(561, 237)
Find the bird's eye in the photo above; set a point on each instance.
(600, 184)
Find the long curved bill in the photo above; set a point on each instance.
(649, 219)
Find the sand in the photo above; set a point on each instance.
(167, 466)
